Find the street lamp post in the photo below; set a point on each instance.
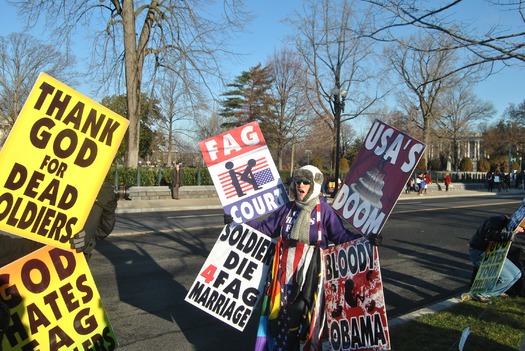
(339, 107)
(308, 153)
(510, 159)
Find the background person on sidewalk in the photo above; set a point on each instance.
(422, 184)
(177, 179)
(428, 180)
(490, 181)
(447, 181)
(493, 229)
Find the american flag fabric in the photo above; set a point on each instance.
(261, 171)
(295, 260)
(287, 320)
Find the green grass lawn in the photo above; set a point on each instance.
(498, 326)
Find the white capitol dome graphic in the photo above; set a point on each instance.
(370, 187)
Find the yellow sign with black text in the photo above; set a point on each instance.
(54, 162)
(54, 304)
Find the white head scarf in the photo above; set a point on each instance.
(314, 175)
(301, 228)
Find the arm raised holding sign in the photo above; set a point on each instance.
(99, 225)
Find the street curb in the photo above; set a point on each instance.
(440, 306)
(168, 209)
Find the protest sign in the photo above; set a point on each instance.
(54, 304)
(517, 218)
(54, 162)
(243, 172)
(231, 280)
(490, 268)
(355, 304)
(495, 255)
(387, 156)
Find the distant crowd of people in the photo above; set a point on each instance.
(423, 181)
(501, 181)
(496, 181)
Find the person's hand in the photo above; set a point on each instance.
(78, 241)
(228, 218)
(519, 230)
(375, 239)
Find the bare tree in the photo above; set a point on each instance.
(516, 113)
(338, 61)
(175, 105)
(461, 112)
(425, 75)
(209, 125)
(498, 42)
(22, 58)
(290, 109)
(316, 134)
(137, 35)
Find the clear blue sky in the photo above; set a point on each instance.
(266, 33)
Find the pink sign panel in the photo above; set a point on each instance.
(379, 173)
(243, 172)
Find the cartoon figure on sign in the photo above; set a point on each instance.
(247, 176)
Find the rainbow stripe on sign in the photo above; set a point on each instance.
(262, 174)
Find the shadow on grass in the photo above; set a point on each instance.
(498, 326)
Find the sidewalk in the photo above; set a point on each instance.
(137, 206)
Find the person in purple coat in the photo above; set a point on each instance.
(308, 218)
(304, 226)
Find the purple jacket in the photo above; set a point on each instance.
(332, 227)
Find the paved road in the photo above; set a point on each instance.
(144, 269)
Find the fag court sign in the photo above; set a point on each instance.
(54, 162)
(243, 172)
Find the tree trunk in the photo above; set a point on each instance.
(135, 53)
(132, 83)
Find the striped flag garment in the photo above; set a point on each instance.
(295, 261)
(261, 173)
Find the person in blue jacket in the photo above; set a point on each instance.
(304, 225)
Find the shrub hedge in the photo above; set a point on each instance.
(144, 176)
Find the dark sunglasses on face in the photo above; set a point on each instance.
(305, 182)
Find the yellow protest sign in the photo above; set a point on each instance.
(54, 304)
(54, 162)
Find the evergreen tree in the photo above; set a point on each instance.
(249, 99)
(149, 113)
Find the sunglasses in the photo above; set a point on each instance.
(305, 182)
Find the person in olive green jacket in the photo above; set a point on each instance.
(177, 180)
